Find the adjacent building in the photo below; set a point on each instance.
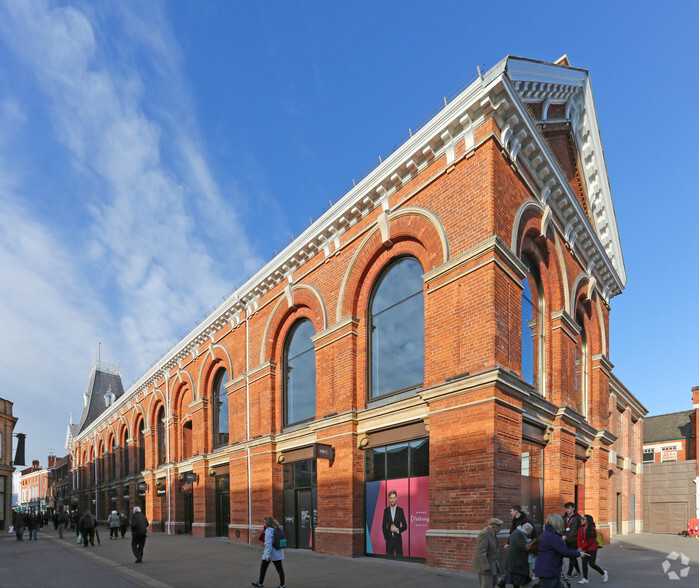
(441, 333)
(36, 487)
(671, 480)
(7, 426)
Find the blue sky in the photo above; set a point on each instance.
(153, 155)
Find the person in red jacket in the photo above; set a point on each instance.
(587, 541)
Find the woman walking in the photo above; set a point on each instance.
(587, 540)
(552, 550)
(113, 522)
(270, 554)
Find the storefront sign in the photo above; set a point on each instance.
(160, 491)
(323, 451)
(668, 455)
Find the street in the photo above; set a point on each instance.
(635, 561)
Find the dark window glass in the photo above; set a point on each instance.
(161, 435)
(304, 473)
(375, 464)
(397, 461)
(141, 448)
(300, 374)
(397, 329)
(420, 458)
(527, 334)
(125, 456)
(219, 401)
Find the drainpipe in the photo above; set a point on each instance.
(168, 416)
(247, 415)
(94, 444)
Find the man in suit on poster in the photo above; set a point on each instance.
(393, 525)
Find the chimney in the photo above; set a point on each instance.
(51, 461)
(35, 465)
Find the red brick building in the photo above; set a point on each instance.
(442, 331)
(673, 436)
(36, 490)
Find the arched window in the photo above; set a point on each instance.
(581, 383)
(124, 454)
(160, 427)
(397, 329)
(186, 440)
(532, 329)
(219, 412)
(141, 447)
(299, 373)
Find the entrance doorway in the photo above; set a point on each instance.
(223, 505)
(300, 504)
(188, 512)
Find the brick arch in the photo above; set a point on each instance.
(586, 301)
(157, 399)
(181, 397)
(305, 302)
(216, 357)
(411, 232)
(109, 443)
(122, 430)
(183, 376)
(100, 445)
(136, 414)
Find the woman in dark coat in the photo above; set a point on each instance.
(552, 550)
(517, 558)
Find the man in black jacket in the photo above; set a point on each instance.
(139, 526)
(86, 525)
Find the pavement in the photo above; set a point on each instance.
(181, 560)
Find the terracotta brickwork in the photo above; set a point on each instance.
(466, 210)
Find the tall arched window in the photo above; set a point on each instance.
(219, 412)
(581, 368)
(299, 373)
(160, 427)
(124, 454)
(532, 329)
(141, 447)
(397, 329)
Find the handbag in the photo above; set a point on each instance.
(533, 546)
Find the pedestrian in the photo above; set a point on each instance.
(587, 540)
(62, 522)
(32, 525)
(86, 524)
(270, 554)
(139, 532)
(573, 521)
(487, 551)
(113, 522)
(517, 557)
(519, 518)
(552, 550)
(123, 523)
(75, 522)
(19, 521)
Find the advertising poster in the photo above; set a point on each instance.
(419, 519)
(411, 518)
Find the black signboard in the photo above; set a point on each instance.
(323, 451)
(190, 477)
(111, 492)
(160, 491)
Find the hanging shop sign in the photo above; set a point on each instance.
(323, 451)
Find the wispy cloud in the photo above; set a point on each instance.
(162, 240)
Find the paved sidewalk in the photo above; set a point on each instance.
(633, 561)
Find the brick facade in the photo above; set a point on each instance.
(478, 199)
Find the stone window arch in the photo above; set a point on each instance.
(219, 409)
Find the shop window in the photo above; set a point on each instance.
(300, 373)
(532, 483)
(219, 411)
(397, 499)
(397, 329)
(532, 329)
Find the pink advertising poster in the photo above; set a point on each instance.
(401, 486)
(419, 519)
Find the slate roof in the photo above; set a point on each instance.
(666, 427)
(94, 406)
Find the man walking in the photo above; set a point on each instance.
(487, 551)
(139, 526)
(572, 522)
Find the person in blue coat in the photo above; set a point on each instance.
(552, 550)
(270, 554)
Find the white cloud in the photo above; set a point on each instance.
(161, 243)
